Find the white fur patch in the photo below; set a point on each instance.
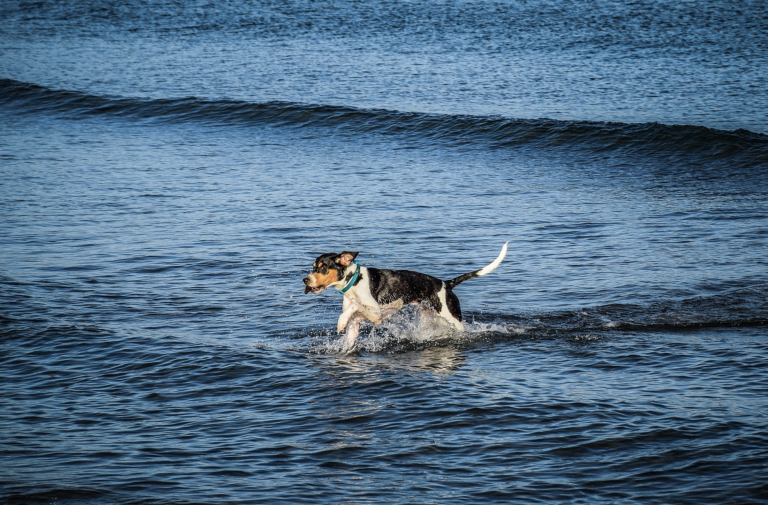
(445, 313)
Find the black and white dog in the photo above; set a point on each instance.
(375, 294)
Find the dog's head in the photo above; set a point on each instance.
(327, 270)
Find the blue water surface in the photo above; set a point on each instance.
(169, 172)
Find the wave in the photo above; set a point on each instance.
(746, 147)
(742, 307)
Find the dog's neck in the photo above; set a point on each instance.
(351, 274)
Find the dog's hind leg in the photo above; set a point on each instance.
(451, 309)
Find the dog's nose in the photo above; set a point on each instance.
(306, 280)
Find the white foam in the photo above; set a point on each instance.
(412, 326)
(506, 329)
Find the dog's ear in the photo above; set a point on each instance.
(346, 258)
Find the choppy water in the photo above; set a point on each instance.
(169, 172)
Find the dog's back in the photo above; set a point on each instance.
(389, 286)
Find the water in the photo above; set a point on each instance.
(170, 172)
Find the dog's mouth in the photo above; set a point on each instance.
(313, 290)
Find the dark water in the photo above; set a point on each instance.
(169, 170)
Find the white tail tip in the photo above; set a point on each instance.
(490, 268)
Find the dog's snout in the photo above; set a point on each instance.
(306, 280)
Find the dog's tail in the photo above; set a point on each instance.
(479, 273)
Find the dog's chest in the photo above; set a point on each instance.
(362, 291)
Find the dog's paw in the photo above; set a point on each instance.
(343, 321)
(346, 316)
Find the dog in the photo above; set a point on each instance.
(374, 294)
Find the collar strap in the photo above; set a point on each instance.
(352, 280)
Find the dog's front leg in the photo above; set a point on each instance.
(355, 308)
(372, 314)
(349, 311)
(350, 338)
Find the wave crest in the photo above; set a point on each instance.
(742, 146)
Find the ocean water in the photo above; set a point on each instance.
(170, 170)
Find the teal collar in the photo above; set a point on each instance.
(352, 280)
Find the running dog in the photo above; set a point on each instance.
(375, 294)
